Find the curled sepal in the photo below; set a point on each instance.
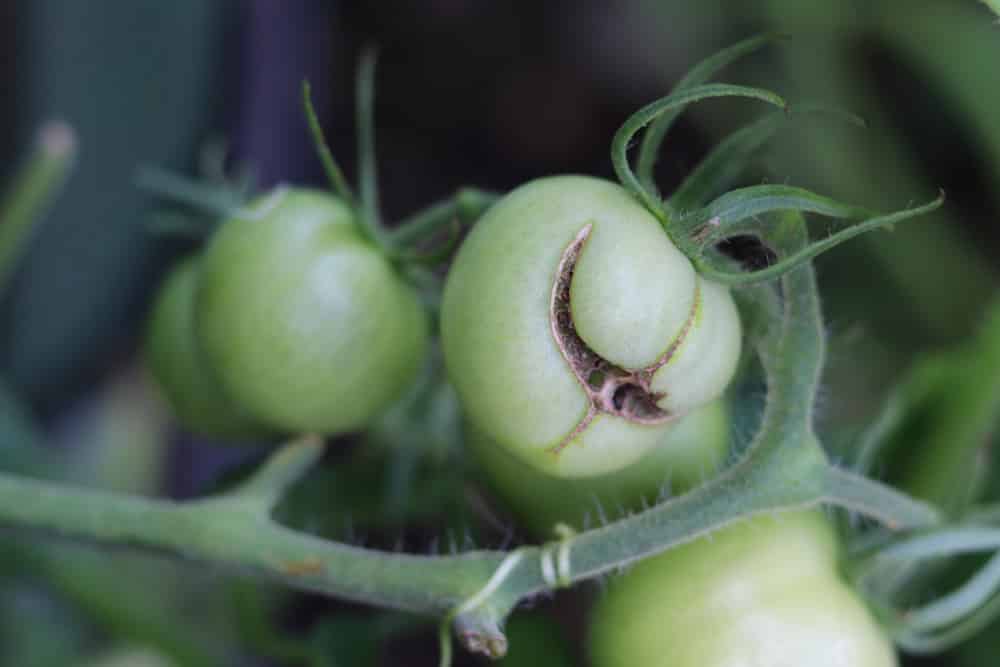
(950, 618)
(675, 102)
(720, 169)
(649, 150)
(736, 212)
(723, 165)
(719, 269)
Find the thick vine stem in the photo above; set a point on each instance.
(235, 530)
(783, 468)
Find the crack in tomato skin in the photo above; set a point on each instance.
(610, 389)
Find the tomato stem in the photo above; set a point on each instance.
(333, 172)
(466, 206)
(33, 190)
(365, 110)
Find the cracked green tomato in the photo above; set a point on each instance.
(575, 332)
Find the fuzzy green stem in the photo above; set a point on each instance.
(333, 171)
(234, 533)
(467, 205)
(32, 191)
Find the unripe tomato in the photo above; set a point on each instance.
(575, 332)
(173, 355)
(688, 454)
(762, 593)
(306, 323)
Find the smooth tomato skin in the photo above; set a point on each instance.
(631, 294)
(688, 455)
(764, 592)
(306, 323)
(173, 355)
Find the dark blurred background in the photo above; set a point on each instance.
(474, 92)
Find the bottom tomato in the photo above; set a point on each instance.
(762, 593)
(691, 452)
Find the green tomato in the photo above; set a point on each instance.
(173, 355)
(762, 593)
(688, 454)
(575, 332)
(306, 323)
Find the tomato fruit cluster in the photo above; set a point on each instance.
(762, 593)
(301, 323)
(589, 353)
(575, 332)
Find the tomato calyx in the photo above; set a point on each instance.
(696, 222)
(610, 389)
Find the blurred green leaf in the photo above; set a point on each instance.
(140, 82)
(935, 432)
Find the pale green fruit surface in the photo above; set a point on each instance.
(689, 454)
(175, 359)
(762, 593)
(305, 322)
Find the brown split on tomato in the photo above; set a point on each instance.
(610, 389)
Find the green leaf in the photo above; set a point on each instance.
(945, 409)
